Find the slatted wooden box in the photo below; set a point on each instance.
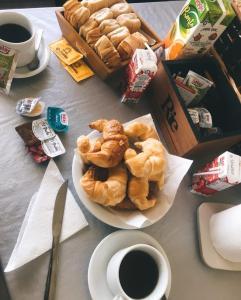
(181, 135)
(90, 55)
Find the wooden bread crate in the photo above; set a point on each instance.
(181, 135)
(90, 55)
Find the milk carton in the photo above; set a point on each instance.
(197, 27)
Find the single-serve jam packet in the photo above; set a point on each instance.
(8, 63)
(65, 52)
(41, 140)
(199, 83)
(30, 107)
(78, 70)
(58, 119)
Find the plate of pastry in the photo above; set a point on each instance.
(123, 174)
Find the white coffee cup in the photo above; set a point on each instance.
(26, 49)
(113, 278)
(225, 232)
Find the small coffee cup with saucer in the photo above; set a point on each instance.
(107, 248)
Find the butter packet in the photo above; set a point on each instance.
(65, 52)
(8, 63)
(78, 70)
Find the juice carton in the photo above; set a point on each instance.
(197, 27)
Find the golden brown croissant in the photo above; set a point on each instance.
(84, 146)
(114, 145)
(140, 131)
(138, 190)
(109, 192)
(150, 163)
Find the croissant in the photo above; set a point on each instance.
(141, 131)
(138, 190)
(109, 192)
(114, 145)
(150, 163)
(84, 146)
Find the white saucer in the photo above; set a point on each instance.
(105, 250)
(210, 256)
(43, 54)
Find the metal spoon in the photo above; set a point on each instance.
(35, 62)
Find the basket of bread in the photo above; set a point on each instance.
(120, 172)
(106, 32)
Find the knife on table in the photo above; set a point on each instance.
(57, 221)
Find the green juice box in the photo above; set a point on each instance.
(197, 27)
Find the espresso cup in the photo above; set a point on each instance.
(26, 48)
(138, 272)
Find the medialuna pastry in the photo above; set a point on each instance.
(140, 131)
(93, 35)
(109, 192)
(128, 46)
(89, 25)
(114, 145)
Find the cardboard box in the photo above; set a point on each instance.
(181, 135)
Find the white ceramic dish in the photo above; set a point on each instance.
(44, 56)
(106, 249)
(176, 169)
(210, 256)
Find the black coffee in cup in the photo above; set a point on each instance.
(14, 33)
(138, 274)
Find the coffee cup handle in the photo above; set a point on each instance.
(119, 297)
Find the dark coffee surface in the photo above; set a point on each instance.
(138, 274)
(14, 33)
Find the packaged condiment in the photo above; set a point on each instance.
(65, 52)
(78, 70)
(205, 118)
(223, 172)
(41, 140)
(58, 119)
(8, 63)
(30, 107)
(188, 94)
(198, 83)
(140, 71)
(194, 116)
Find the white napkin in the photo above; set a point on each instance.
(177, 168)
(35, 236)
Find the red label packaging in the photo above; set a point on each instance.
(140, 71)
(223, 172)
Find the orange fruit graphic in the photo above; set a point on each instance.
(175, 49)
(170, 36)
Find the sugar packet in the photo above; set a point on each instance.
(78, 70)
(8, 63)
(65, 52)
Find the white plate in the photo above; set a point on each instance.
(43, 54)
(176, 169)
(106, 249)
(210, 256)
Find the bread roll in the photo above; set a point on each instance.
(102, 14)
(120, 8)
(92, 36)
(68, 4)
(107, 26)
(112, 2)
(107, 52)
(118, 35)
(69, 12)
(127, 47)
(94, 5)
(130, 20)
(88, 26)
(79, 16)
